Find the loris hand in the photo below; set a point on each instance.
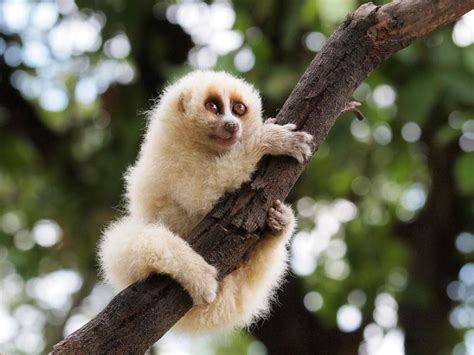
(284, 140)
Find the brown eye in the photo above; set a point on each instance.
(212, 107)
(239, 109)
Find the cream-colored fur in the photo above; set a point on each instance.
(181, 172)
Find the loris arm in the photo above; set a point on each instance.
(269, 138)
(275, 139)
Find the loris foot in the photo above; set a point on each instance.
(279, 217)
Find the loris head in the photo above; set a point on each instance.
(211, 110)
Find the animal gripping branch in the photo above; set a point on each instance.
(138, 316)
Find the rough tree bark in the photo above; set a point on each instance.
(142, 313)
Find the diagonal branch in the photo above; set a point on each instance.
(142, 313)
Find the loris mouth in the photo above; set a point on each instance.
(226, 141)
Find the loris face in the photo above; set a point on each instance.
(217, 110)
(228, 114)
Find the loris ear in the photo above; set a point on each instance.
(183, 100)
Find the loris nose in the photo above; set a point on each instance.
(231, 126)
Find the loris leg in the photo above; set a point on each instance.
(245, 294)
(263, 273)
(130, 250)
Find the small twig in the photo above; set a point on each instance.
(353, 106)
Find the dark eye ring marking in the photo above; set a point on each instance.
(239, 108)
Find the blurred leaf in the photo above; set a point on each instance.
(417, 97)
(464, 173)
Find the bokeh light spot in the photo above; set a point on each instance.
(349, 318)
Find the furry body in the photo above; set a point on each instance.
(204, 138)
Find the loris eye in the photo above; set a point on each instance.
(239, 109)
(212, 107)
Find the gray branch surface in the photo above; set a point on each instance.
(141, 314)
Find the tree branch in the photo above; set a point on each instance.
(142, 313)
